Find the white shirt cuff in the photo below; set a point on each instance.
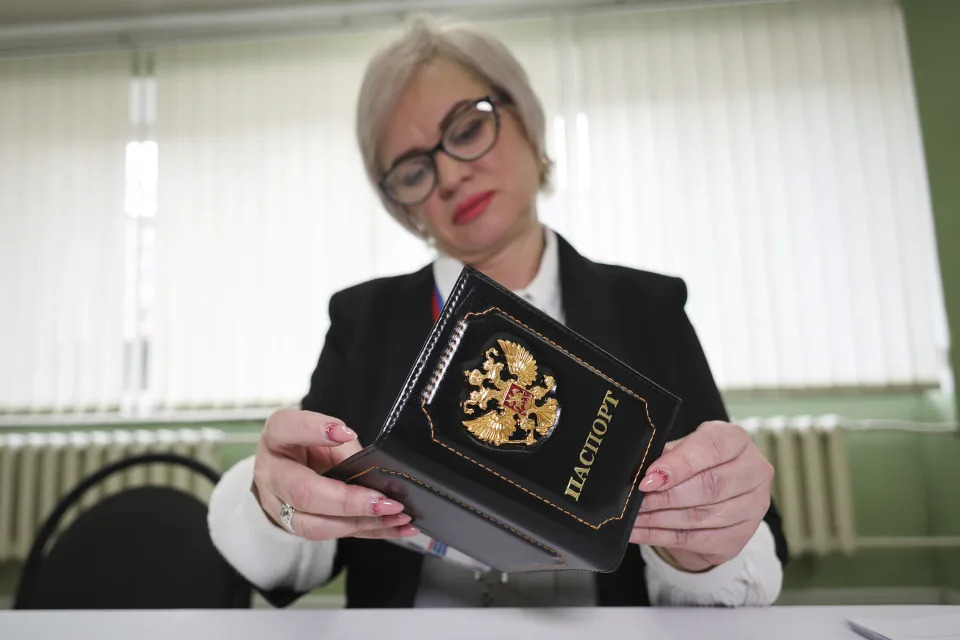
(752, 578)
(264, 554)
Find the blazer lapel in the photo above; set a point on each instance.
(589, 300)
(411, 313)
(407, 319)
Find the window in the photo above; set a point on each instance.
(769, 154)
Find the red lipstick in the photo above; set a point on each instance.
(472, 207)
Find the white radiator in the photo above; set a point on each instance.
(36, 469)
(811, 487)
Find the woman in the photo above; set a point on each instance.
(452, 137)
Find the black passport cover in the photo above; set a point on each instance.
(516, 440)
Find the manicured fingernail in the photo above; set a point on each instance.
(408, 530)
(654, 480)
(380, 505)
(395, 520)
(340, 432)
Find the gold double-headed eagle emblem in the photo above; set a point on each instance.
(519, 404)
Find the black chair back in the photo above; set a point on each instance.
(142, 548)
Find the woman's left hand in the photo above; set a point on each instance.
(705, 496)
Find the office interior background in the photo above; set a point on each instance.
(181, 192)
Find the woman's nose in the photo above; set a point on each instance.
(451, 173)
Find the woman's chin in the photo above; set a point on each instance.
(477, 238)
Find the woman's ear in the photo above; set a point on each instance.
(417, 222)
(546, 168)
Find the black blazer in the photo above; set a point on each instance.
(377, 329)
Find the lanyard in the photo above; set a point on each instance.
(436, 303)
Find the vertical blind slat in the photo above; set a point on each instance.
(62, 138)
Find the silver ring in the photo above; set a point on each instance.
(286, 517)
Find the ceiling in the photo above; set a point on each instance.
(40, 27)
(19, 12)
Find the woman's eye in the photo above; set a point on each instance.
(467, 132)
(413, 177)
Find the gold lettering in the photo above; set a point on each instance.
(609, 398)
(587, 445)
(604, 413)
(591, 447)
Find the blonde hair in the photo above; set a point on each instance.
(390, 69)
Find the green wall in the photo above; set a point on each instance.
(933, 34)
(904, 484)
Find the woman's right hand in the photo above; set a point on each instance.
(295, 448)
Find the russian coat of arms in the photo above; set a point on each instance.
(518, 404)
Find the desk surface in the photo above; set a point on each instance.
(779, 623)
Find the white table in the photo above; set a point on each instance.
(779, 623)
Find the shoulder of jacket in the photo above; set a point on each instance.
(663, 289)
(366, 292)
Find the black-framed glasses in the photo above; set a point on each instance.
(471, 132)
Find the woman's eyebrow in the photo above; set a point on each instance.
(452, 112)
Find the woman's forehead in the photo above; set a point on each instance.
(443, 73)
(433, 90)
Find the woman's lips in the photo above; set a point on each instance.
(472, 207)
